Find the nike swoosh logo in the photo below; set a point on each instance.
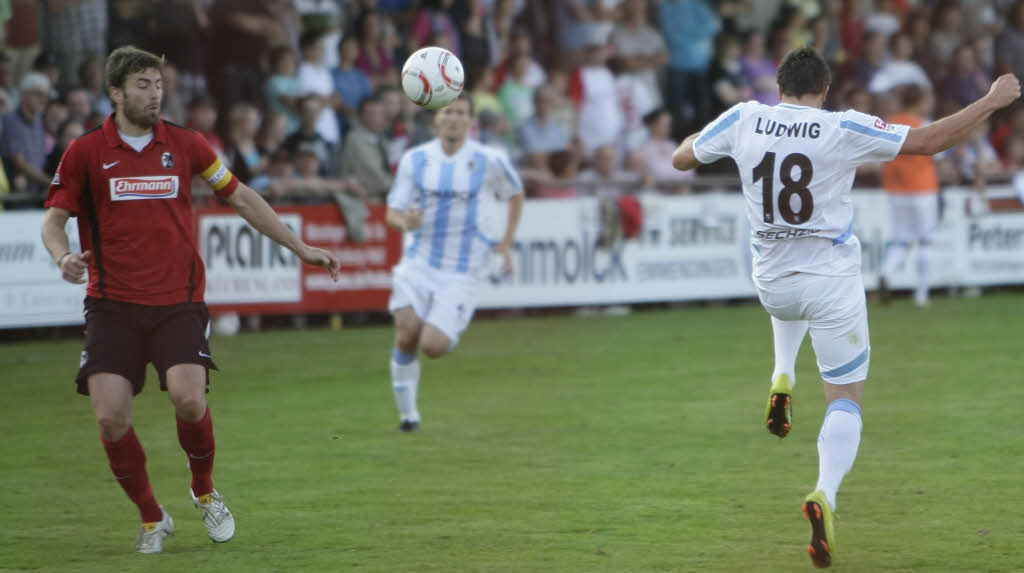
(204, 355)
(109, 165)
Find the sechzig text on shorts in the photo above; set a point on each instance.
(787, 234)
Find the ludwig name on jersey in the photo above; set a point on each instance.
(797, 165)
(457, 196)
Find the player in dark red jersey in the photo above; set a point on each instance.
(129, 183)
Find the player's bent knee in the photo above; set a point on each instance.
(113, 426)
(186, 387)
(434, 349)
(434, 342)
(190, 407)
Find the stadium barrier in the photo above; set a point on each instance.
(248, 273)
(698, 248)
(693, 247)
(32, 292)
(245, 271)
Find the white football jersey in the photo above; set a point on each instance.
(797, 165)
(456, 195)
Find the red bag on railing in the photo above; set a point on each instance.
(632, 216)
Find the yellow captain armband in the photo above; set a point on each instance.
(217, 175)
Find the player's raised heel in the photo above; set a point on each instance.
(779, 411)
(818, 511)
(152, 535)
(219, 522)
(409, 426)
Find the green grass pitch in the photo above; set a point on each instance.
(610, 444)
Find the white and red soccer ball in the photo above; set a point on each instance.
(432, 77)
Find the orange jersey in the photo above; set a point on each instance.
(910, 173)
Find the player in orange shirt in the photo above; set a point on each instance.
(913, 188)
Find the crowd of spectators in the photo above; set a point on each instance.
(588, 96)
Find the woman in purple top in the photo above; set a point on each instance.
(374, 54)
(434, 21)
(759, 70)
(968, 81)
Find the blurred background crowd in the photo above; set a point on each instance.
(302, 97)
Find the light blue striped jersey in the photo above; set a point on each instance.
(457, 195)
(797, 165)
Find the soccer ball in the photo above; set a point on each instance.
(432, 77)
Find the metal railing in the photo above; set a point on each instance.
(700, 184)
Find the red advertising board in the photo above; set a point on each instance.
(248, 273)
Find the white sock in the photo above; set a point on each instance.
(923, 256)
(788, 335)
(837, 445)
(405, 381)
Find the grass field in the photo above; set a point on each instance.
(549, 444)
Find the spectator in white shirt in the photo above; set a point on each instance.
(520, 46)
(884, 19)
(593, 89)
(899, 69)
(641, 48)
(315, 79)
(324, 15)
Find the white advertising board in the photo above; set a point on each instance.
(32, 292)
(690, 248)
(244, 266)
(697, 247)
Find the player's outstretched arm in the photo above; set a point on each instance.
(404, 221)
(953, 129)
(683, 157)
(72, 265)
(262, 217)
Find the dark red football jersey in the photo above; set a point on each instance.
(134, 211)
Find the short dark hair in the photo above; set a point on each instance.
(912, 95)
(463, 96)
(368, 100)
(359, 29)
(128, 60)
(803, 72)
(468, 98)
(309, 38)
(278, 52)
(652, 116)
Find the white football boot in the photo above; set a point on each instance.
(152, 535)
(219, 522)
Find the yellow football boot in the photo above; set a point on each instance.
(779, 411)
(818, 511)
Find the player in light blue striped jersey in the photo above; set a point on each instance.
(797, 163)
(444, 200)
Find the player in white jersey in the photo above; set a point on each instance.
(797, 164)
(442, 199)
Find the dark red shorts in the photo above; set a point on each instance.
(122, 338)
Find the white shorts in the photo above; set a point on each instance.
(837, 315)
(914, 216)
(445, 300)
